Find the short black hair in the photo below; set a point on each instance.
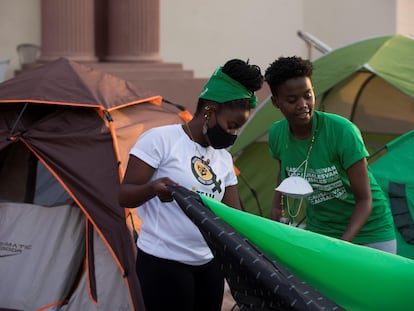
(250, 76)
(285, 68)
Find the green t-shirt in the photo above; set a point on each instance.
(337, 145)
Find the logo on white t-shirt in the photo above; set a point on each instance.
(204, 173)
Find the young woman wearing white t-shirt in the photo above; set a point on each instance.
(176, 268)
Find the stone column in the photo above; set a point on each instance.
(68, 30)
(134, 31)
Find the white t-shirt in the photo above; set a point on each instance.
(166, 232)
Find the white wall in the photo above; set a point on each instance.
(338, 23)
(204, 34)
(19, 23)
(405, 20)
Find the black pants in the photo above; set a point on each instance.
(171, 285)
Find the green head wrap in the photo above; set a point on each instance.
(221, 88)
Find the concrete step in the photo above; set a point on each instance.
(128, 71)
(183, 92)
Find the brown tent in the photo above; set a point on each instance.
(65, 133)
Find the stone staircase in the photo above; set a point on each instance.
(169, 80)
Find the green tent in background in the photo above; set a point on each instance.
(257, 169)
(394, 170)
(370, 82)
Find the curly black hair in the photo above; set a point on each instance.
(250, 76)
(285, 68)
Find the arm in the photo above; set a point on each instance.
(277, 209)
(136, 188)
(231, 197)
(358, 177)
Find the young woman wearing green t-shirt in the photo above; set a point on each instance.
(328, 151)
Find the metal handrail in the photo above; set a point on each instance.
(314, 42)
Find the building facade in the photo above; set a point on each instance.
(167, 45)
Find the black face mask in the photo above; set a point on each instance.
(219, 138)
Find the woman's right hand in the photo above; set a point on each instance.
(137, 188)
(160, 188)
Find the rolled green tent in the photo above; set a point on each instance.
(257, 282)
(353, 276)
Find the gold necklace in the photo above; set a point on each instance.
(291, 213)
(203, 158)
(305, 162)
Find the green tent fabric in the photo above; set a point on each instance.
(394, 170)
(370, 82)
(355, 277)
(257, 169)
(257, 126)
